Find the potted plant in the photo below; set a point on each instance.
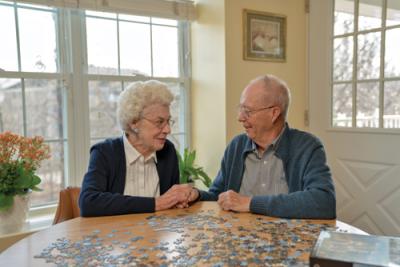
(189, 172)
(20, 157)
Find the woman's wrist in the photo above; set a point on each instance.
(196, 195)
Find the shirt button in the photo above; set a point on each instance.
(265, 162)
(263, 185)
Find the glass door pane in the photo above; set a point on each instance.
(343, 59)
(392, 53)
(391, 112)
(370, 14)
(368, 105)
(344, 17)
(369, 55)
(393, 13)
(342, 103)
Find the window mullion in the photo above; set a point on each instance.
(185, 73)
(64, 62)
(25, 126)
(138, 77)
(31, 75)
(24, 117)
(151, 48)
(382, 66)
(78, 122)
(355, 65)
(118, 47)
(17, 37)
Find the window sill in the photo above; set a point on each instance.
(32, 225)
(363, 130)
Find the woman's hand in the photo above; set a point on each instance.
(178, 195)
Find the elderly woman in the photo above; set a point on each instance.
(137, 172)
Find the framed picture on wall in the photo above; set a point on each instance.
(264, 36)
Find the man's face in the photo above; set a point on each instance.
(257, 112)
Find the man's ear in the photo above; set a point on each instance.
(276, 112)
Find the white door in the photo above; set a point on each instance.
(365, 161)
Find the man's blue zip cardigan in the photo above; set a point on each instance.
(311, 190)
(103, 186)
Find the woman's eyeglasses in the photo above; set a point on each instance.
(161, 123)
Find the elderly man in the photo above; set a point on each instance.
(273, 169)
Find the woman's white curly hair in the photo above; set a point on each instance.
(137, 97)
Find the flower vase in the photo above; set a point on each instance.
(13, 219)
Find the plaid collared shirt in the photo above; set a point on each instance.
(264, 174)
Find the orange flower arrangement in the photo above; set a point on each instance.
(20, 157)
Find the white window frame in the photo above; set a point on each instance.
(355, 81)
(75, 80)
(60, 76)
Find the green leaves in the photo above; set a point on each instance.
(206, 179)
(23, 178)
(35, 181)
(15, 179)
(188, 172)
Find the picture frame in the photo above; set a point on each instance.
(264, 36)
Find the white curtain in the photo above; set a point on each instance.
(178, 9)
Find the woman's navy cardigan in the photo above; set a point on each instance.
(102, 191)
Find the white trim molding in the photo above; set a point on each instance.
(179, 10)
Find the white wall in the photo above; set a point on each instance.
(220, 73)
(208, 84)
(239, 72)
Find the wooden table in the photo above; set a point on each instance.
(200, 235)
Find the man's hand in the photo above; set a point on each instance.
(193, 195)
(178, 195)
(230, 200)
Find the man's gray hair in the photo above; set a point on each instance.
(277, 91)
(137, 97)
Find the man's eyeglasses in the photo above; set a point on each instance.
(248, 112)
(161, 123)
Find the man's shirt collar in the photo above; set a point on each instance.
(274, 144)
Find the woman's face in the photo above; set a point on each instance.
(153, 128)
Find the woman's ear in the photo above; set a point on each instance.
(134, 127)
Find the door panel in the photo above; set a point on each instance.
(365, 163)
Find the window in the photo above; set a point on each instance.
(366, 64)
(61, 71)
(129, 45)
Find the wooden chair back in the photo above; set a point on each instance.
(68, 207)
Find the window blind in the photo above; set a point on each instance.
(177, 9)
